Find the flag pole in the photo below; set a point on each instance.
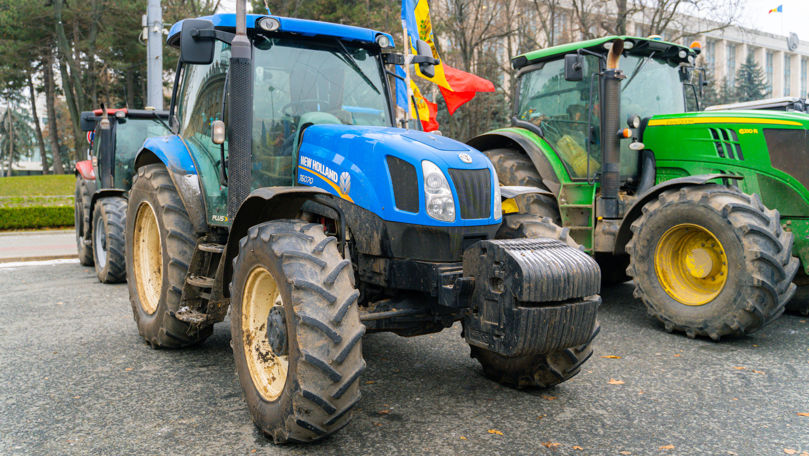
(406, 41)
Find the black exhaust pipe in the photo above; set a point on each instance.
(240, 114)
(610, 121)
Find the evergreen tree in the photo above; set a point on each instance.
(750, 82)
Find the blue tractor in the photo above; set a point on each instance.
(286, 195)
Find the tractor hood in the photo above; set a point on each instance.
(380, 169)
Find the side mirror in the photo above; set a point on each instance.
(88, 121)
(424, 50)
(574, 67)
(218, 132)
(195, 47)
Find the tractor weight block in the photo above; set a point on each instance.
(530, 296)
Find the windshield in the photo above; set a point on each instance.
(129, 137)
(300, 82)
(655, 89)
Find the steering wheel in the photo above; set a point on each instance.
(301, 103)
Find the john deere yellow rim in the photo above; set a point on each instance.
(268, 370)
(691, 264)
(148, 258)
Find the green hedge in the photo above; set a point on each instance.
(16, 218)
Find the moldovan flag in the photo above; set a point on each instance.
(464, 87)
(416, 14)
(778, 9)
(426, 110)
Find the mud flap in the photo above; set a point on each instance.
(529, 296)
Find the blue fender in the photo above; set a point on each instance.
(170, 150)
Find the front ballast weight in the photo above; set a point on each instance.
(528, 296)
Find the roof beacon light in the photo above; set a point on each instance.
(269, 24)
(655, 37)
(695, 45)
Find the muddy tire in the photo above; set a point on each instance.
(515, 168)
(293, 304)
(535, 371)
(544, 370)
(109, 223)
(711, 261)
(81, 219)
(159, 244)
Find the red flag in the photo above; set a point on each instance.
(464, 87)
(430, 124)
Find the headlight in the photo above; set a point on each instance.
(383, 41)
(498, 200)
(269, 24)
(437, 194)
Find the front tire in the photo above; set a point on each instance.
(515, 168)
(109, 221)
(296, 332)
(541, 370)
(711, 261)
(83, 196)
(159, 246)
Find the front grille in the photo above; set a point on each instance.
(405, 184)
(726, 143)
(789, 152)
(474, 189)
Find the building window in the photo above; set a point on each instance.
(731, 64)
(710, 55)
(804, 68)
(559, 26)
(787, 75)
(769, 72)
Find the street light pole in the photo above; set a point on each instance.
(154, 55)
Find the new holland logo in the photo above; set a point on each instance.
(466, 158)
(345, 182)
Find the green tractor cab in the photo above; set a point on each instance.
(114, 137)
(699, 208)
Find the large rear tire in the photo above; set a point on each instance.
(711, 261)
(542, 370)
(81, 219)
(109, 222)
(159, 245)
(296, 332)
(515, 168)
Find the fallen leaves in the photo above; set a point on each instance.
(625, 452)
(615, 382)
(739, 367)
(548, 397)
(790, 451)
(370, 382)
(541, 416)
(576, 447)
(758, 372)
(383, 412)
(128, 369)
(550, 444)
(463, 438)
(802, 414)
(666, 447)
(611, 357)
(677, 355)
(495, 432)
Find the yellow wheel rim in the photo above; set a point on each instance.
(147, 258)
(691, 264)
(268, 370)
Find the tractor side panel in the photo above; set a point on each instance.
(742, 149)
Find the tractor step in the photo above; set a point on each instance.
(199, 281)
(190, 316)
(212, 248)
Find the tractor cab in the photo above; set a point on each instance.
(558, 91)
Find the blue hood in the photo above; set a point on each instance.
(351, 162)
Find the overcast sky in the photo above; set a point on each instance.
(795, 17)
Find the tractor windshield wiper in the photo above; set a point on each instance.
(352, 62)
(637, 69)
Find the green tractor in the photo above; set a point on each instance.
(699, 208)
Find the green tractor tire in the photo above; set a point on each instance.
(711, 261)
(296, 331)
(515, 168)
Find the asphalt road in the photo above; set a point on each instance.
(43, 244)
(77, 379)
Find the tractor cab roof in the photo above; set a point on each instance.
(89, 118)
(288, 25)
(632, 45)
